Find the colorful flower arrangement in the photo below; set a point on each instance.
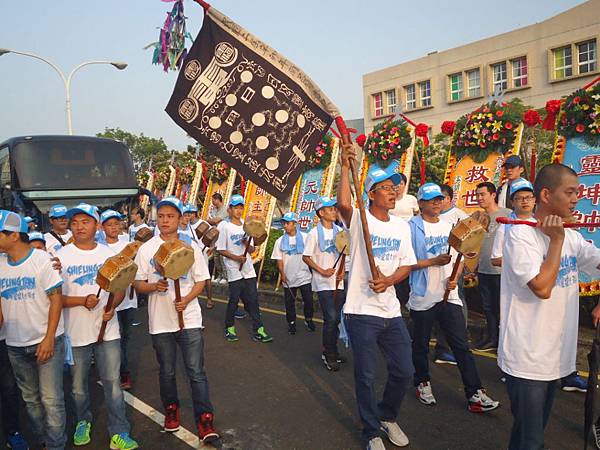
(490, 128)
(387, 142)
(320, 158)
(580, 115)
(218, 171)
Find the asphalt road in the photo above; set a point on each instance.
(280, 396)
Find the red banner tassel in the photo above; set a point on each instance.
(552, 109)
(532, 165)
(422, 168)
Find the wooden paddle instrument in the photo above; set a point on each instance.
(115, 275)
(254, 227)
(131, 249)
(466, 238)
(173, 260)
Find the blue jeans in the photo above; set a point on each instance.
(42, 388)
(108, 362)
(9, 394)
(245, 289)
(367, 334)
(191, 343)
(530, 404)
(125, 317)
(332, 313)
(452, 323)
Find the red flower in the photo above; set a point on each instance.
(552, 106)
(576, 100)
(361, 139)
(580, 128)
(483, 145)
(495, 136)
(448, 127)
(499, 113)
(508, 125)
(531, 118)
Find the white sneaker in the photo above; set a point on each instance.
(376, 444)
(394, 434)
(481, 402)
(424, 394)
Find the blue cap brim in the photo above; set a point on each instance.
(431, 197)
(74, 211)
(167, 203)
(236, 203)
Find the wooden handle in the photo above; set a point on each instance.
(177, 300)
(507, 221)
(339, 257)
(131, 292)
(109, 304)
(453, 275)
(246, 252)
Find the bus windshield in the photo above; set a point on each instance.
(72, 164)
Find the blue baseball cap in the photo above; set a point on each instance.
(84, 208)
(429, 191)
(290, 217)
(236, 200)
(513, 161)
(189, 208)
(109, 214)
(520, 184)
(171, 201)
(36, 236)
(57, 211)
(377, 175)
(29, 219)
(11, 221)
(324, 202)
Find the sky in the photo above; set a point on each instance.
(335, 42)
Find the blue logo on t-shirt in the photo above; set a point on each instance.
(19, 288)
(436, 245)
(83, 273)
(384, 248)
(567, 273)
(237, 239)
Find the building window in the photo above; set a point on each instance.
(378, 104)
(474, 83)
(563, 62)
(499, 76)
(391, 101)
(410, 95)
(456, 87)
(519, 71)
(586, 52)
(425, 92)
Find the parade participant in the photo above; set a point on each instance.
(136, 217)
(293, 272)
(406, 205)
(232, 245)
(111, 224)
(164, 325)
(450, 213)
(372, 312)
(217, 215)
(489, 275)
(30, 223)
(37, 240)
(321, 255)
(84, 313)
(429, 279)
(540, 304)
(30, 317)
(513, 169)
(184, 223)
(194, 220)
(60, 234)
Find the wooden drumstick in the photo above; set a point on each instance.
(339, 257)
(177, 300)
(453, 275)
(108, 307)
(246, 251)
(507, 221)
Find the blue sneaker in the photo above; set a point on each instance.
(239, 314)
(445, 358)
(16, 442)
(574, 383)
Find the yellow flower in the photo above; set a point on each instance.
(490, 115)
(497, 126)
(488, 124)
(585, 107)
(597, 108)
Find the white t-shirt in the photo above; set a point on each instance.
(436, 240)
(25, 305)
(391, 249)
(498, 245)
(133, 229)
(52, 244)
(79, 270)
(538, 338)
(130, 300)
(453, 215)
(406, 207)
(162, 314)
(296, 271)
(230, 239)
(325, 260)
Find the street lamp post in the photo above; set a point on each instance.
(66, 80)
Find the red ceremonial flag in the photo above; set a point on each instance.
(249, 105)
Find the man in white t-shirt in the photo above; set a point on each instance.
(293, 272)
(217, 213)
(60, 234)
(322, 256)
(84, 313)
(111, 224)
(137, 222)
(32, 325)
(513, 170)
(540, 304)
(164, 325)
(372, 313)
(406, 205)
(429, 279)
(236, 251)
